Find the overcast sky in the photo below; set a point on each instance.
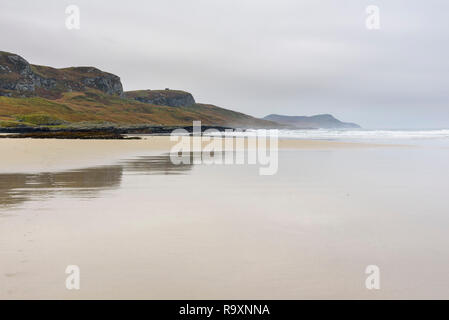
(293, 57)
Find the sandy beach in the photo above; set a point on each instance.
(221, 155)
(37, 155)
(140, 227)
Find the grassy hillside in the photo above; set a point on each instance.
(33, 95)
(95, 106)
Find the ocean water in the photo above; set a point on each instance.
(360, 135)
(146, 228)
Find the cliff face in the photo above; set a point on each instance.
(326, 121)
(172, 98)
(15, 73)
(19, 78)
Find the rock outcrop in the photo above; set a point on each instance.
(167, 97)
(15, 74)
(325, 121)
(19, 78)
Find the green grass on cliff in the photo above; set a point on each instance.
(155, 93)
(39, 119)
(14, 124)
(94, 106)
(66, 74)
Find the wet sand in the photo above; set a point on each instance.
(37, 155)
(140, 227)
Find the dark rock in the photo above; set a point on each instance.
(18, 77)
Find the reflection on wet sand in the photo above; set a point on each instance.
(161, 165)
(16, 188)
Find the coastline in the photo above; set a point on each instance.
(48, 155)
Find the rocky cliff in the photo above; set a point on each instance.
(172, 98)
(18, 78)
(34, 96)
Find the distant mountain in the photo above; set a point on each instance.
(313, 122)
(33, 95)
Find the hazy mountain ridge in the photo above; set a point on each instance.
(325, 121)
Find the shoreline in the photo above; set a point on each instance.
(49, 155)
(130, 129)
